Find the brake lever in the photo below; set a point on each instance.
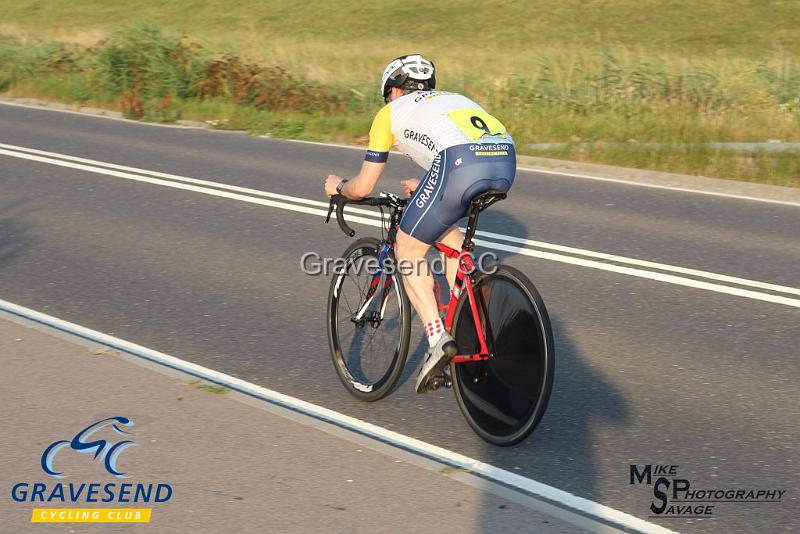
(331, 205)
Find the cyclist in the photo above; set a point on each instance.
(465, 151)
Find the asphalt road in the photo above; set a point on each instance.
(647, 371)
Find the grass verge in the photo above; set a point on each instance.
(609, 105)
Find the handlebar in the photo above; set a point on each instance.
(339, 201)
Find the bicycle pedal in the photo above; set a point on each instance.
(448, 380)
(438, 381)
(435, 383)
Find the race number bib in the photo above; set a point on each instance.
(475, 122)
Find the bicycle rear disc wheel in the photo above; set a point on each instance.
(504, 398)
(369, 352)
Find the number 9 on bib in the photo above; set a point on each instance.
(475, 122)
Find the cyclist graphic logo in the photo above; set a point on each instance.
(104, 451)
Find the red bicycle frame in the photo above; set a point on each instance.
(463, 281)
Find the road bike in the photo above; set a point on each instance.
(503, 373)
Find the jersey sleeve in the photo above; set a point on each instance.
(381, 138)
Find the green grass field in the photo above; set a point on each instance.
(590, 73)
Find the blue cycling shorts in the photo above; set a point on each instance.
(457, 175)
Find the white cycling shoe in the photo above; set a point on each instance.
(436, 359)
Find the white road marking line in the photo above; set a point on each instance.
(333, 145)
(643, 263)
(188, 187)
(97, 115)
(440, 454)
(157, 174)
(179, 178)
(374, 214)
(640, 273)
(182, 184)
(658, 186)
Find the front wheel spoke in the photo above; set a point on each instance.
(350, 310)
(356, 282)
(359, 290)
(344, 332)
(371, 339)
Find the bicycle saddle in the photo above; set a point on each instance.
(486, 199)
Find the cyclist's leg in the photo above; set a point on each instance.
(416, 275)
(453, 238)
(419, 228)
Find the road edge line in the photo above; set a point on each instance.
(547, 493)
(362, 148)
(675, 188)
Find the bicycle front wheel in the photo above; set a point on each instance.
(504, 398)
(369, 323)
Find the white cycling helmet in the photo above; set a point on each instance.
(408, 72)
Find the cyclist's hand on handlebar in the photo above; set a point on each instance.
(330, 184)
(409, 186)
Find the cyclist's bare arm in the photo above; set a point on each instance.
(361, 185)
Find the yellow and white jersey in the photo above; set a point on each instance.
(423, 123)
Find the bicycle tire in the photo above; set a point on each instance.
(385, 366)
(504, 398)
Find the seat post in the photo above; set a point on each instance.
(472, 225)
(478, 204)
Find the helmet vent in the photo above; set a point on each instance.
(408, 72)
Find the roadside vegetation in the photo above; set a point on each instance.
(644, 84)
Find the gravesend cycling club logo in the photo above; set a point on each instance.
(102, 442)
(676, 496)
(107, 452)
